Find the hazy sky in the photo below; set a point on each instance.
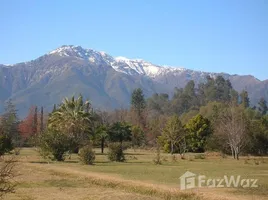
(217, 35)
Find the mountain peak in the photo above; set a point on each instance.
(67, 50)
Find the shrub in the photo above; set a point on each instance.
(87, 155)
(54, 145)
(7, 175)
(116, 152)
(157, 159)
(5, 144)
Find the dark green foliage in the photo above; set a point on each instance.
(198, 130)
(138, 105)
(217, 89)
(119, 132)
(137, 137)
(54, 108)
(54, 144)
(116, 152)
(184, 99)
(138, 101)
(9, 124)
(5, 144)
(87, 155)
(72, 119)
(102, 135)
(258, 142)
(262, 106)
(159, 103)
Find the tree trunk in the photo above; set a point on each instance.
(233, 154)
(172, 148)
(237, 154)
(102, 145)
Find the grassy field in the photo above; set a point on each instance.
(138, 178)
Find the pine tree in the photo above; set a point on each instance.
(244, 99)
(10, 123)
(54, 108)
(138, 105)
(263, 106)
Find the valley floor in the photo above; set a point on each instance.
(138, 178)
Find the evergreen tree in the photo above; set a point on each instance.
(138, 105)
(173, 133)
(198, 130)
(137, 101)
(54, 108)
(244, 99)
(119, 132)
(263, 106)
(10, 124)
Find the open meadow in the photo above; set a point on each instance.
(137, 178)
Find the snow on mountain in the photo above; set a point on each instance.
(120, 64)
(125, 65)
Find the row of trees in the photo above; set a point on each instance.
(211, 116)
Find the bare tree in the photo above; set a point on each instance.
(7, 175)
(182, 146)
(232, 126)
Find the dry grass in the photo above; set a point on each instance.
(139, 178)
(37, 182)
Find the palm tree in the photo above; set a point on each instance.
(102, 134)
(73, 117)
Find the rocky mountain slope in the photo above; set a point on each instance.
(107, 81)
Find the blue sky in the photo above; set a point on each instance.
(216, 35)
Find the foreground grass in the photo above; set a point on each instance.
(138, 178)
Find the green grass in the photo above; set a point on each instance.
(140, 168)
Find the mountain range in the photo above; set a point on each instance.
(107, 81)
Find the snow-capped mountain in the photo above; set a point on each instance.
(120, 64)
(108, 81)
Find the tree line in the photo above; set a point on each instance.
(211, 116)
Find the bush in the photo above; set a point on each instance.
(157, 159)
(87, 155)
(54, 145)
(116, 152)
(5, 144)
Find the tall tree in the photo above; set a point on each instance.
(72, 118)
(137, 136)
(138, 105)
(244, 99)
(26, 125)
(198, 130)
(119, 132)
(233, 126)
(35, 121)
(10, 123)
(173, 132)
(102, 135)
(263, 106)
